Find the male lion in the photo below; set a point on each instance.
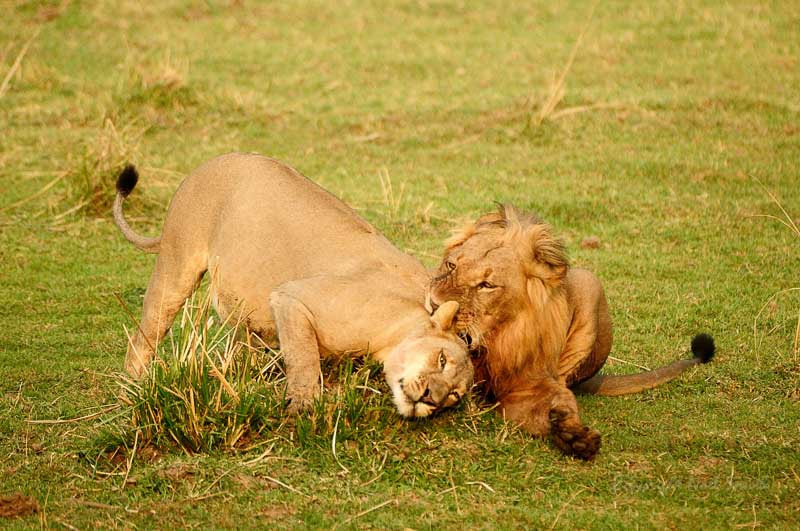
(536, 326)
(299, 264)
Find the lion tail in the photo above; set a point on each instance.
(126, 182)
(702, 347)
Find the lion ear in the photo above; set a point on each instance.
(554, 256)
(442, 318)
(548, 250)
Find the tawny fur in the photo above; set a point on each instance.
(537, 326)
(303, 268)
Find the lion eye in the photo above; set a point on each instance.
(486, 285)
(451, 265)
(442, 360)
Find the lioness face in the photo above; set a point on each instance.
(428, 373)
(486, 277)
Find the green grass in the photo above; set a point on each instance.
(686, 108)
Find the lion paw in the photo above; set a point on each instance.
(572, 437)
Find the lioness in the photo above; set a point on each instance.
(537, 327)
(303, 266)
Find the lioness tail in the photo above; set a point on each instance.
(126, 182)
(702, 347)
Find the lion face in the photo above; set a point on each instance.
(487, 280)
(431, 370)
(495, 269)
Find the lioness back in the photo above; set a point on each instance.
(239, 200)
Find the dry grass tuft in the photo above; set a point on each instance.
(392, 200)
(556, 90)
(786, 220)
(90, 184)
(157, 87)
(546, 110)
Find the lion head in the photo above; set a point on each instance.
(507, 273)
(429, 370)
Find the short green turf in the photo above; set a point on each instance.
(674, 139)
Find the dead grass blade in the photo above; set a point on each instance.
(91, 416)
(17, 62)
(796, 346)
(619, 360)
(568, 503)
(789, 222)
(482, 484)
(394, 501)
(41, 191)
(135, 321)
(333, 444)
(285, 486)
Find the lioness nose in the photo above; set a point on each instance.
(435, 394)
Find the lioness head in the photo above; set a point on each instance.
(429, 370)
(502, 265)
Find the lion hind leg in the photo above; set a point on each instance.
(169, 287)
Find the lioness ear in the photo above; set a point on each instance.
(443, 316)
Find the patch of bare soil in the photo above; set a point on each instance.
(16, 505)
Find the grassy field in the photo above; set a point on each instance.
(668, 130)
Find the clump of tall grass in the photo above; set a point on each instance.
(211, 389)
(215, 387)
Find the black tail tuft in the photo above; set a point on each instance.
(703, 347)
(127, 180)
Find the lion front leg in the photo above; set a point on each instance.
(298, 341)
(545, 407)
(568, 432)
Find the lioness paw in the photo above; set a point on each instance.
(299, 402)
(572, 437)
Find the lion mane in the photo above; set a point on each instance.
(529, 339)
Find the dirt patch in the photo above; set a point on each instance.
(17, 505)
(590, 242)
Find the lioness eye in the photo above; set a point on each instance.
(450, 265)
(442, 360)
(485, 285)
